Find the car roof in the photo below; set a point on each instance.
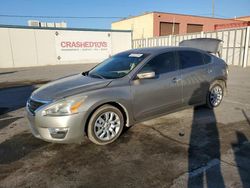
(158, 50)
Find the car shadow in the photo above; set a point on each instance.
(204, 148)
(241, 150)
(14, 98)
(5, 122)
(18, 146)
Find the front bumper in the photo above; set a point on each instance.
(60, 129)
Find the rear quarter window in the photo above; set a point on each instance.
(207, 58)
(190, 58)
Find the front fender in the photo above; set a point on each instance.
(121, 96)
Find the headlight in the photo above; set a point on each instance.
(65, 107)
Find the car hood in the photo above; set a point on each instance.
(68, 86)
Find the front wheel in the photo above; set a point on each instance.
(215, 94)
(105, 125)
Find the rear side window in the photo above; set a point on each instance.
(207, 59)
(161, 64)
(190, 59)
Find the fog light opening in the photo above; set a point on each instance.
(58, 133)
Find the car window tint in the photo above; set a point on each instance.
(161, 64)
(207, 58)
(190, 59)
(117, 66)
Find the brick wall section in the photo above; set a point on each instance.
(207, 22)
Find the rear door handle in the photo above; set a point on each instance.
(176, 80)
(209, 71)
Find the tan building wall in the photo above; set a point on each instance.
(149, 25)
(244, 18)
(142, 26)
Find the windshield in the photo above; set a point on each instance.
(117, 66)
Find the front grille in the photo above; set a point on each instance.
(33, 105)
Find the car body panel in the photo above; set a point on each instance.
(195, 83)
(160, 97)
(68, 86)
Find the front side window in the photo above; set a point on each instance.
(190, 59)
(117, 66)
(161, 64)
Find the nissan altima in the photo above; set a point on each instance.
(127, 88)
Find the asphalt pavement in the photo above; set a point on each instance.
(196, 147)
(11, 77)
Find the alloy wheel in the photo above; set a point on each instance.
(216, 95)
(107, 126)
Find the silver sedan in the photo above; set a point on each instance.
(125, 89)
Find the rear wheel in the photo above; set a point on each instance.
(215, 94)
(105, 125)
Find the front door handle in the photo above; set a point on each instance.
(176, 80)
(209, 71)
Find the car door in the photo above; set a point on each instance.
(194, 75)
(157, 95)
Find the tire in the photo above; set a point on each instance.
(105, 125)
(215, 94)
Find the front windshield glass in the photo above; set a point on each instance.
(117, 66)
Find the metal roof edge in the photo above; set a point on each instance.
(208, 17)
(66, 29)
(158, 12)
(130, 17)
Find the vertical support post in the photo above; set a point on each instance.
(170, 40)
(132, 37)
(234, 46)
(246, 47)
(228, 43)
(11, 48)
(132, 40)
(202, 34)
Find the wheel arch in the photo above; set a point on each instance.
(220, 79)
(116, 104)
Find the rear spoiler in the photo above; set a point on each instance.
(209, 45)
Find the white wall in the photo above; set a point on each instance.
(6, 59)
(120, 41)
(26, 47)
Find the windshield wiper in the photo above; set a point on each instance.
(96, 74)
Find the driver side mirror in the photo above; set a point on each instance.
(146, 75)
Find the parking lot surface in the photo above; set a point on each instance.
(196, 147)
(10, 77)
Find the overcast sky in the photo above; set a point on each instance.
(115, 8)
